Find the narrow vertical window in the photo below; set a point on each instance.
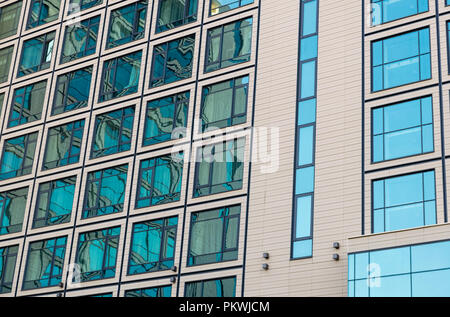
(13, 204)
(5, 62)
(8, 259)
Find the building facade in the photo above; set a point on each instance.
(224, 148)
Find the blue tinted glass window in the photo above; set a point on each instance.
(72, 91)
(13, 204)
(8, 257)
(120, 76)
(166, 119)
(402, 130)
(80, 39)
(36, 54)
(401, 60)
(97, 254)
(404, 202)
(45, 263)
(229, 45)
(153, 246)
(175, 13)
(18, 156)
(113, 132)
(172, 61)
(105, 191)
(43, 11)
(54, 202)
(161, 291)
(384, 11)
(159, 181)
(224, 287)
(220, 6)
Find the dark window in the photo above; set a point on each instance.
(43, 11)
(224, 287)
(172, 61)
(8, 258)
(160, 291)
(18, 156)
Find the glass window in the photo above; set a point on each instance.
(45, 263)
(27, 104)
(175, 13)
(120, 76)
(161, 291)
(228, 45)
(97, 254)
(12, 210)
(113, 132)
(2, 96)
(165, 117)
(105, 192)
(54, 202)
(400, 60)
(224, 104)
(219, 168)
(18, 155)
(43, 11)
(224, 287)
(214, 236)
(9, 19)
(80, 5)
(404, 202)
(5, 62)
(402, 130)
(63, 145)
(72, 90)
(80, 39)
(159, 181)
(221, 6)
(413, 271)
(8, 258)
(36, 54)
(127, 24)
(384, 11)
(172, 61)
(153, 246)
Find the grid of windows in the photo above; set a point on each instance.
(86, 157)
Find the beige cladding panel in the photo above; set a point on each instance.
(337, 208)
